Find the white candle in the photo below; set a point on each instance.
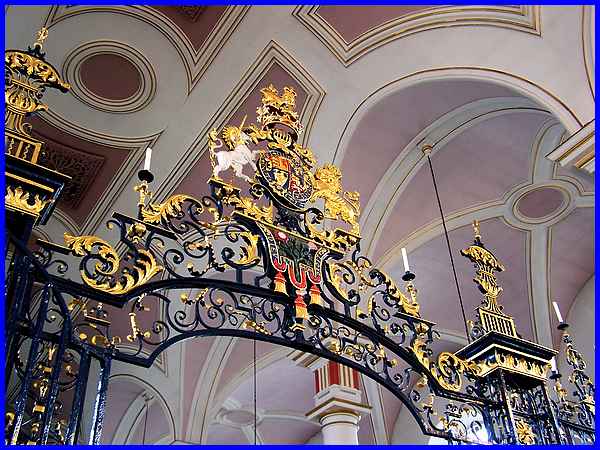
(553, 364)
(405, 260)
(557, 311)
(148, 158)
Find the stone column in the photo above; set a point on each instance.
(338, 406)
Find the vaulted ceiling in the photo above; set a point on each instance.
(494, 90)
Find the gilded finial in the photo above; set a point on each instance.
(42, 35)
(476, 230)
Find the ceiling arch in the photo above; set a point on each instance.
(351, 32)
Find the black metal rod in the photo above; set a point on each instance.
(53, 387)
(21, 399)
(460, 300)
(553, 419)
(100, 404)
(73, 428)
(254, 369)
(18, 291)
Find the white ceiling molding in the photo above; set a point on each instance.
(410, 159)
(197, 421)
(133, 413)
(195, 61)
(544, 99)
(577, 150)
(521, 18)
(137, 101)
(588, 34)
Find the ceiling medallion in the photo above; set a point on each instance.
(540, 204)
(90, 68)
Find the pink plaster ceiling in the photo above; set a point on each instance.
(195, 182)
(121, 393)
(435, 282)
(195, 354)
(571, 259)
(297, 383)
(390, 125)
(352, 21)
(275, 431)
(242, 357)
(91, 166)
(540, 202)
(196, 21)
(587, 180)
(499, 149)
(366, 434)
(152, 427)
(224, 434)
(110, 76)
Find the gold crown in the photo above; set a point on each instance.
(279, 108)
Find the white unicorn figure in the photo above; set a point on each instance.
(238, 154)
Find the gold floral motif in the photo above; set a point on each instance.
(249, 208)
(144, 268)
(19, 199)
(449, 368)
(250, 250)
(328, 186)
(561, 392)
(171, 208)
(135, 329)
(334, 269)
(34, 68)
(525, 433)
(258, 327)
(185, 299)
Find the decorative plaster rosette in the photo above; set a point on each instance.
(565, 205)
(137, 101)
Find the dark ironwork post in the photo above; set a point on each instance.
(73, 428)
(552, 415)
(512, 436)
(21, 398)
(54, 385)
(19, 287)
(100, 404)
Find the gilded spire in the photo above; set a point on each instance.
(42, 35)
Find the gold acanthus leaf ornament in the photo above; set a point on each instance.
(525, 434)
(363, 276)
(164, 212)
(19, 199)
(448, 369)
(34, 68)
(107, 264)
(250, 250)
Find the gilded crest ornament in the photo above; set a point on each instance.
(287, 178)
(328, 186)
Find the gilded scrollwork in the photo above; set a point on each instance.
(108, 263)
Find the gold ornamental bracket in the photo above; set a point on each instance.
(31, 189)
(27, 76)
